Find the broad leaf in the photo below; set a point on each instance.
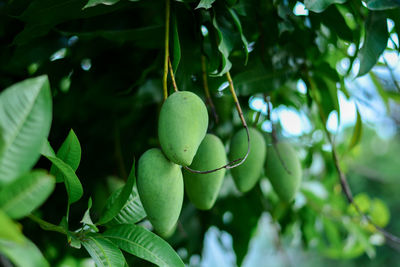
(103, 251)
(144, 244)
(117, 200)
(70, 153)
(242, 37)
(9, 230)
(382, 4)
(132, 211)
(25, 194)
(23, 255)
(224, 48)
(376, 35)
(320, 5)
(357, 132)
(25, 119)
(205, 4)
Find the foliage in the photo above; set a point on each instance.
(96, 66)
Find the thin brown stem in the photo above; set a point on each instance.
(166, 45)
(171, 71)
(239, 161)
(206, 89)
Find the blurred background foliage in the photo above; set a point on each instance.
(104, 60)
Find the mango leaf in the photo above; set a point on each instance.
(92, 3)
(176, 44)
(23, 255)
(357, 132)
(70, 153)
(25, 194)
(25, 120)
(132, 211)
(103, 251)
(320, 5)
(142, 243)
(205, 4)
(243, 38)
(224, 47)
(87, 220)
(382, 4)
(9, 230)
(375, 41)
(116, 202)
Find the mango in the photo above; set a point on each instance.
(160, 187)
(283, 170)
(203, 189)
(247, 174)
(182, 126)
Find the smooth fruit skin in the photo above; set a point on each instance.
(182, 126)
(203, 189)
(160, 187)
(247, 174)
(285, 179)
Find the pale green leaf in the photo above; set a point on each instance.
(87, 220)
(25, 120)
(103, 251)
(27, 193)
(23, 255)
(144, 244)
(320, 5)
(9, 230)
(205, 4)
(357, 132)
(382, 4)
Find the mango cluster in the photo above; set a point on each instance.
(182, 132)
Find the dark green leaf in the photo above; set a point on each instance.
(25, 194)
(382, 4)
(116, 203)
(25, 119)
(243, 38)
(176, 44)
(70, 153)
(92, 3)
(320, 5)
(205, 4)
(103, 251)
(224, 48)
(375, 41)
(144, 244)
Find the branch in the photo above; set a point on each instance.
(172, 75)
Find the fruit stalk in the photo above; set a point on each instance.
(206, 89)
(172, 75)
(166, 45)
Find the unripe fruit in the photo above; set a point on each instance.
(160, 187)
(247, 174)
(283, 170)
(182, 126)
(203, 189)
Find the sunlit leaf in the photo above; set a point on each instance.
(382, 4)
(320, 5)
(103, 251)
(9, 230)
(205, 4)
(224, 48)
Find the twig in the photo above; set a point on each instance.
(46, 225)
(172, 75)
(240, 161)
(206, 89)
(166, 44)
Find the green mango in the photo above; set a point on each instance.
(203, 189)
(283, 170)
(247, 174)
(182, 126)
(160, 187)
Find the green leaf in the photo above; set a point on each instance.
(382, 4)
(23, 255)
(9, 230)
(47, 150)
(25, 120)
(320, 5)
(116, 202)
(87, 220)
(375, 41)
(205, 4)
(379, 212)
(70, 153)
(243, 38)
(72, 183)
(357, 132)
(132, 211)
(103, 251)
(144, 244)
(25, 194)
(92, 3)
(224, 48)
